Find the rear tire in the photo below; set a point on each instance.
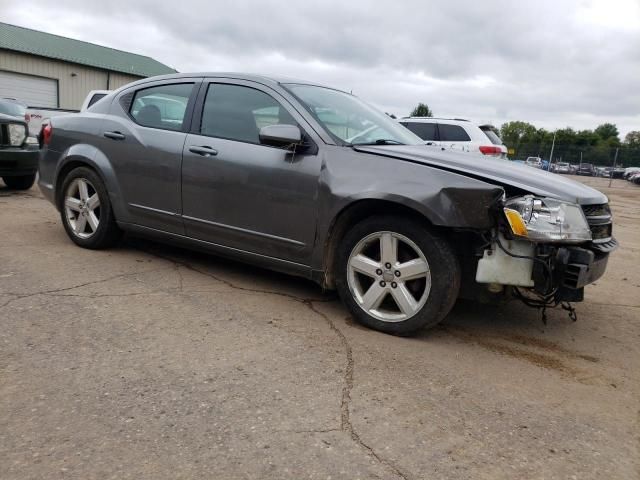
(86, 210)
(395, 275)
(20, 182)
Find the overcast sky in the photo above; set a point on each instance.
(552, 63)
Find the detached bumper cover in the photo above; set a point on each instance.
(577, 267)
(18, 161)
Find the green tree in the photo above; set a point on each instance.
(515, 133)
(633, 139)
(422, 110)
(587, 138)
(607, 131)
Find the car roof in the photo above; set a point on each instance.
(462, 121)
(13, 100)
(264, 79)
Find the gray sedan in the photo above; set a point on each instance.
(314, 182)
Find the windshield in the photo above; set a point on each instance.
(349, 120)
(12, 108)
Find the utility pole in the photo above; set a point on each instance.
(615, 159)
(553, 144)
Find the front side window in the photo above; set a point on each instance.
(349, 120)
(161, 107)
(238, 113)
(426, 131)
(452, 133)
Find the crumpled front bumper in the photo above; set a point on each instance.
(573, 269)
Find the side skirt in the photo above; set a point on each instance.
(271, 263)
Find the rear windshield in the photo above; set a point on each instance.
(493, 136)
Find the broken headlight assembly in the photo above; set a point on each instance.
(546, 220)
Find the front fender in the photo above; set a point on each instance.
(444, 198)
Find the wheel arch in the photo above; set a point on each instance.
(82, 155)
(355, 212)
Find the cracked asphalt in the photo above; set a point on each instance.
(151, 362)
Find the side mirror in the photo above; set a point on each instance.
(280, 136)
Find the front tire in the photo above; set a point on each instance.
(20, 182)
(86, 211)
(396, 276)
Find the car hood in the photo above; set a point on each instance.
(493, 170)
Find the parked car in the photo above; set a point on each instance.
(13, 108)
(314, 182)
(457, 134)
(562, 167)
(586, 169)
(630, 171)
(535, 162)
(634, 178)
(617, 172)
(18, 159)
(93, 97)
(37, 116)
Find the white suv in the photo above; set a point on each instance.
(457, 134)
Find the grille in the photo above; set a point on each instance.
(596, 210)
(599, 219)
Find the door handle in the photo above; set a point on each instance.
(429, 143)
(114, 135)
(203, 150)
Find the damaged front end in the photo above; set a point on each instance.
(546, 250)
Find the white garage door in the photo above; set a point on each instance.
(34, 91)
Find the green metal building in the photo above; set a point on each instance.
(45, 70)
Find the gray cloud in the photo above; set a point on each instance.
(552, 63)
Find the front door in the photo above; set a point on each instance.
(239, 193)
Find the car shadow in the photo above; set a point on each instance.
(511, 329)
(231, 271)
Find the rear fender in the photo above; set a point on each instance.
(83, 154)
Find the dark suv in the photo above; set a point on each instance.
(586, 169)
(18, 159)
(312, 181)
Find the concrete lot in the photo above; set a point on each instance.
(150, 362)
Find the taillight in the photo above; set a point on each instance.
(491, 150)
(47, 131)
(27, 117)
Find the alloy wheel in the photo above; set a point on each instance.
(82, 207)
(389, 276)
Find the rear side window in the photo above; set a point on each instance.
(493, 136)
(161, 107)
(452, 133)
(426, 131)
(238, 113)
(95, 98)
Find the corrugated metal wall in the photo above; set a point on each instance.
(72, 89)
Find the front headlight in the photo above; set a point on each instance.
(17, 134)
(547, 220)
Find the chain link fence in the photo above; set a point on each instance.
(600, 155)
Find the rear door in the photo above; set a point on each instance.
(239, 193)
(143, 139)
